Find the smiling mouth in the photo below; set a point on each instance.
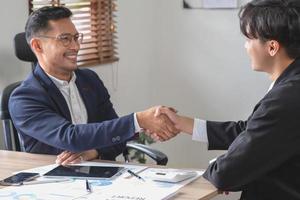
(71, 56)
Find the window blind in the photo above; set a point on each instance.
(95, 19)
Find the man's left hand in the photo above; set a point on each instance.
(68, 157)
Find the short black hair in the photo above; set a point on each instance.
(273, 20)
(38, 20)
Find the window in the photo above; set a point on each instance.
(95, 19)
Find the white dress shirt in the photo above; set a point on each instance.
(200, 128)
(75, 103)
(73, 98)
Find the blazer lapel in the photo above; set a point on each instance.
(292, 70)
(53, 91)
(85, 92)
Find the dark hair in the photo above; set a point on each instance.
(273, 20)
(38, 20)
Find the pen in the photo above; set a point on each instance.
(45, 181)
(88, 186)
(135, 175)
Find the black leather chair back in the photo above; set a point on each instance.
(22, 49)
(11, 137)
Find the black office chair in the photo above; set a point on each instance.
(11, 137)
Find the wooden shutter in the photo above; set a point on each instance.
(95, 19)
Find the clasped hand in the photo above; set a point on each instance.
(159, 122)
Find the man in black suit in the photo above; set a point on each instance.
(263, 157)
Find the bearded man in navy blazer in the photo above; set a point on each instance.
(62, 110)
(263, 157)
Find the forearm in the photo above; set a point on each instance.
(222, 134)
(90, 154)
(185, 124)
(76, 138)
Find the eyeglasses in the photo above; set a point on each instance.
(66, 38)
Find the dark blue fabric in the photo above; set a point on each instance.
(42, 118)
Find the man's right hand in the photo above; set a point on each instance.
(182, 123)
(160, 125)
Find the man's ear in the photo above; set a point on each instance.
(36, 45)
(273, 47)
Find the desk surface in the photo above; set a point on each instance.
(17, 161)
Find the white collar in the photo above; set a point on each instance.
(271, 86)
(61, 83)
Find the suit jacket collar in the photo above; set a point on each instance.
(83, 88)
(85, 91)
(52, 90)
(292, 70)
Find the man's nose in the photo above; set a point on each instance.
(75, 44)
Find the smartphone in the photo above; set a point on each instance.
(19, 178)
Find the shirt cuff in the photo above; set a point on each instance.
(136, 124)
(200, 131)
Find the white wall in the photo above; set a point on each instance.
(201, 69)
(137, 57)
(193, 60)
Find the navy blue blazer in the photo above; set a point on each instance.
(42, 118)
(263, 158)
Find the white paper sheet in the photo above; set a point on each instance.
(122, 188)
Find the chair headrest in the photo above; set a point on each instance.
(22, 49)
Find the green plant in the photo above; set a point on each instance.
(137, 155)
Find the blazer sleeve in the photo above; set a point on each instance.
(33, 114)
(110, 153)
(109, 113)
(272, 133)
(222, 134)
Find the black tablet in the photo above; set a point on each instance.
(85, 172)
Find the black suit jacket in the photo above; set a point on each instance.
(263, 157)
(42, 117)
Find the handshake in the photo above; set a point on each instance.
(162, 123)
